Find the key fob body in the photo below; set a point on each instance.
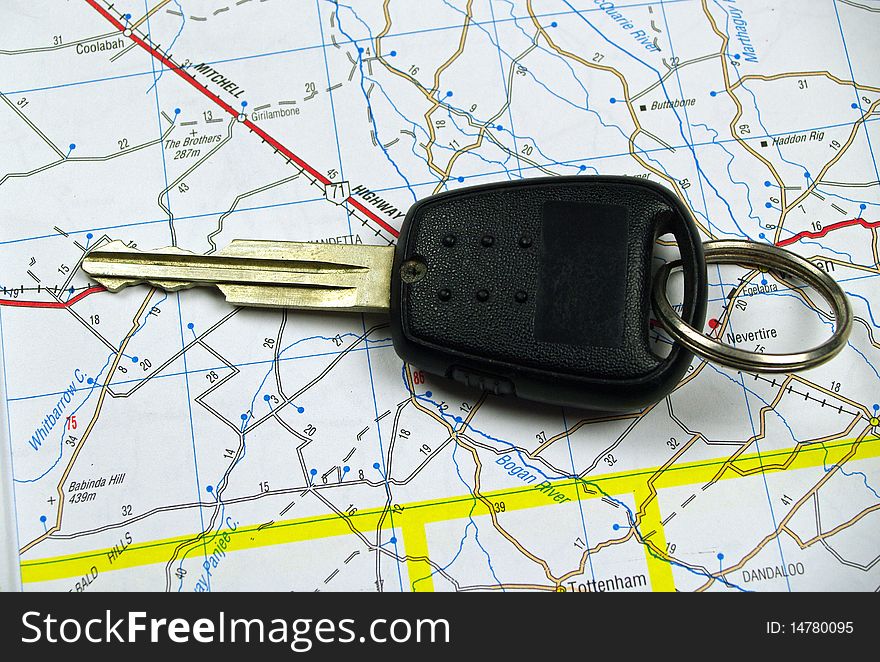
(540, 288)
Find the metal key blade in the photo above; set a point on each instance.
(277, 274)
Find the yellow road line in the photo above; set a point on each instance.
(659, 570)
(420, 571)
(436, 510)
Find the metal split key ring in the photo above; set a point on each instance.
(770, 258)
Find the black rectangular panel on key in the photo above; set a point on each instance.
(581, 294)
(538, 288)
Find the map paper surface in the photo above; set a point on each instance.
(170, 442)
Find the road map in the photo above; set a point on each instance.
(171, 442)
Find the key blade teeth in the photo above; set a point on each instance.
(114, 250)
(355, 278)
(102, 261)
(117, 284)
(112, 284)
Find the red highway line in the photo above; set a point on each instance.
(189, 78)
(52, 304)
(828, 228)
(363, 209)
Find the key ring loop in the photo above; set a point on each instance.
(771, 258)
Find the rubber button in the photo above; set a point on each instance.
(483, 381)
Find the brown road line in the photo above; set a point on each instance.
(809, 384)
(874, 247)
(135, 26)
(786, 207)
(739, 111)
(595, 549)
(783, 524)
(840, 152)
(430, 94)
(135, 323)
(478, 468)
(436, 87)
(453, 434)
(652, 490)
(478, 496)
(581, 423)
(626, 97)
(837, 529)
(724, 320)
(729, 464)
(512, 587)
(846, 265)
(803, 74)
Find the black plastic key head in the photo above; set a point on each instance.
(540, 289)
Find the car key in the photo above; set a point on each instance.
(537, 288)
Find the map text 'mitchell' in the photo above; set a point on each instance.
(216, 77)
